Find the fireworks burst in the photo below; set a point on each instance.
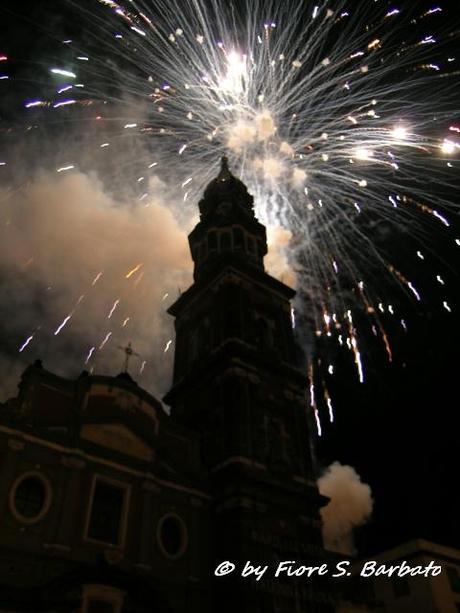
(334, 114)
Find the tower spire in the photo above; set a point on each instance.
(225, 173)
(228, 228)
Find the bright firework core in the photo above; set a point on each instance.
(234, 80)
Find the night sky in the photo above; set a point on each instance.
(397, 429)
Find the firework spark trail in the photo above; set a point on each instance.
(90, 353)
(114, 306)
(329, 405)
(64, 322)
(134, 270)
(96, 278)
(25, 343)
(69, 316)
(28, 340)
(104, 341)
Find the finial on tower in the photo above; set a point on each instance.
(225, 188)
(224, 174)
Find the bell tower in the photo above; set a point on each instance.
(240, 382)
(227, 225)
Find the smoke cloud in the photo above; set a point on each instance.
(350, 506)
(270, 168)
(299, 177)
(82, 274)
(260, 128)
(241, 134)
(277, 259)
(256, 133)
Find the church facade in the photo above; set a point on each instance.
(109, 505)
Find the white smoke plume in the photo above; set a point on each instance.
(271, 168)
(254, 133)
(286, 149)
(266, 127)
(241, 134)
(255, 130)
(277, 259)
(299, 177)
(67, 248)
(350, 506)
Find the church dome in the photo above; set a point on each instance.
(225, 182)
(225, 188)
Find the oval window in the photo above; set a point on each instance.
(30, 498)
(172, 536)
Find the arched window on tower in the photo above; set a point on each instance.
(194, 342)
(203, 251)
(238, 238)
(260, 248)
(225, 241)
(212, 242)
(233, 324)
(276, 442)
(251, 245)
(263, 334)
(205, 335)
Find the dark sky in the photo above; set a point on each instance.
(398, 429)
